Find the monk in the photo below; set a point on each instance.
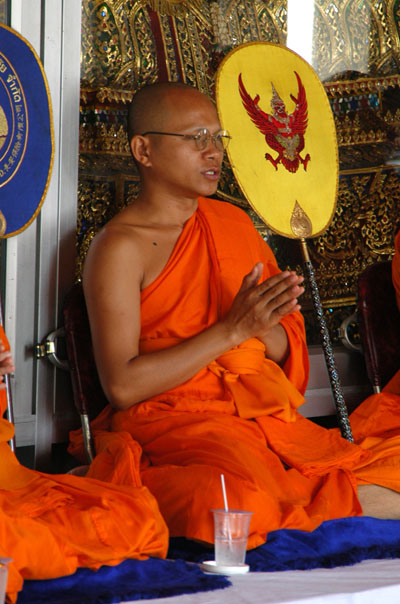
(200, 348)
(52, 524)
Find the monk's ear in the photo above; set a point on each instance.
(140, 148)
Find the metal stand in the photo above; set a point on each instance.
(341, 409)
(10, 412)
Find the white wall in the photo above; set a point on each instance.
(353, 380)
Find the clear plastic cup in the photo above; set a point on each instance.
(4, 562)
(231, 530)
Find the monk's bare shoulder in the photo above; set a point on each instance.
(133, 242)
(116, 248)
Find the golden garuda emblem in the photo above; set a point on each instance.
(283, 150)
(284, 132)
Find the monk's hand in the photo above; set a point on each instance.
(6, 364)
(258, 308)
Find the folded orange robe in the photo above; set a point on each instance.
(52, 524)
(237, 416)
(396, 267)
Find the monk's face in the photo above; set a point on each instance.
(177, 164)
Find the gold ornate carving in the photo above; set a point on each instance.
(361, 232)
(3, 11)
(353, 36)
(172, 7)
(343, 88)
(119, 38)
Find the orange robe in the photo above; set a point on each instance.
(52, 524)
(238, 416)
(396, 267)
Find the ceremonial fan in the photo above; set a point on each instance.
(26, 143)
(284, 155)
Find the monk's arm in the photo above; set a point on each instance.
(112, 278)
(276, 345)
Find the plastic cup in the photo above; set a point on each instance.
(3, 578)
(231, 530)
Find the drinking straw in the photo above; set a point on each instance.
(226, 508)
(224, 493)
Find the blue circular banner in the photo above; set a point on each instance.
(26, 133)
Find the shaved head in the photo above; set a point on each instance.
(152, 105)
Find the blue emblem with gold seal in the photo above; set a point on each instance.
(26, 133)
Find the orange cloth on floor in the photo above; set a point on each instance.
(52, 524)
(396, 267)
(237, 416)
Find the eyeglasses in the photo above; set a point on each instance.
(202, 138)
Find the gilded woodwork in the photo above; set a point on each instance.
(356, 53)
(3, 11)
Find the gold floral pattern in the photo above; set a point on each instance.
(3, 11)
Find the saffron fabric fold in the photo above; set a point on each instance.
(50, 525)
(239, 415)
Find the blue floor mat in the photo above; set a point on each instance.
(130, 580)
(334, 543)
(338, 542)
